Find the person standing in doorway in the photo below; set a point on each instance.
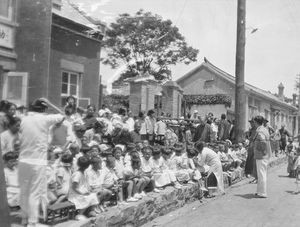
(34, 132)
(262, 153)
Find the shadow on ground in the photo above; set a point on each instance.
(246, 196)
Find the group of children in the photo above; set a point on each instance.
(93, 177)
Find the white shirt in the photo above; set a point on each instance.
(130, 124)
(119, 168)
(108, 176)
(7, 140)
(93, 178)
(146, 165)
(160, 128)
(34, 134)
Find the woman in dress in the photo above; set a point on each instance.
(210, 158)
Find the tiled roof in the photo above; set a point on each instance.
(69, 12)
(231, 79)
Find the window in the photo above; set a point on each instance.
(6, 9)
(71, 82)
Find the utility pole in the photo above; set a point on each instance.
(298, 117)
(240, 96)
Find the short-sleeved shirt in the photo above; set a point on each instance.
(65, 175)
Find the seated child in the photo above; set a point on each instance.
(162, 176)
(93, 176)
(51, 176)
(11, 178)
(120, 168)
(232, 154)
(109, 179)
(130, 148)
(179, 164)
(139, 147)
(146, 173)
(133, 172)
(79, 192)
(226, 163)
(241, 152)
(63, 176)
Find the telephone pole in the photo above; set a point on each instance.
(298, 117)
(240, 96)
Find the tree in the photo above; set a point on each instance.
(146, 43)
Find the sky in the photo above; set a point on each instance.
(272, 52)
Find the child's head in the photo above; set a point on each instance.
(131, 147)
(166, 153)
(191, 152)
(178, 149)
(10, 159)
(74, 149)
(96, 163)
(290, 147)
(85, 150)
(14, 124)
(156, 153)
(117, 153)
(139, 146)
(290, 140)
(79, 130)
(145, 143)
(84, 140)
(83, 163)
(147, 151)
(110, 162)
(94, 151)
(136, 162)
(67, 160)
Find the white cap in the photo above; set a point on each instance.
(195, 111)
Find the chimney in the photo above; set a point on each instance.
(280, 92)
(294, 99)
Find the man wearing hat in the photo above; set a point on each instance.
(34, 132)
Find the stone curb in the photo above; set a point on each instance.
(155, 205)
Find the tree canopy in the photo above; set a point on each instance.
(145, 43)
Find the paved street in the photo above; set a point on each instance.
(239, 207)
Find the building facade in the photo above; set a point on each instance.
(207, 79)
(57, 54)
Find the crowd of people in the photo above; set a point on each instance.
(92, 158)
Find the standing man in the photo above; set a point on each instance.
(224, 129)
(34, 132)
(262, 153)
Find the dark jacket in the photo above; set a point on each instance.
(224, 130)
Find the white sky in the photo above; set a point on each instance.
(272, 53)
